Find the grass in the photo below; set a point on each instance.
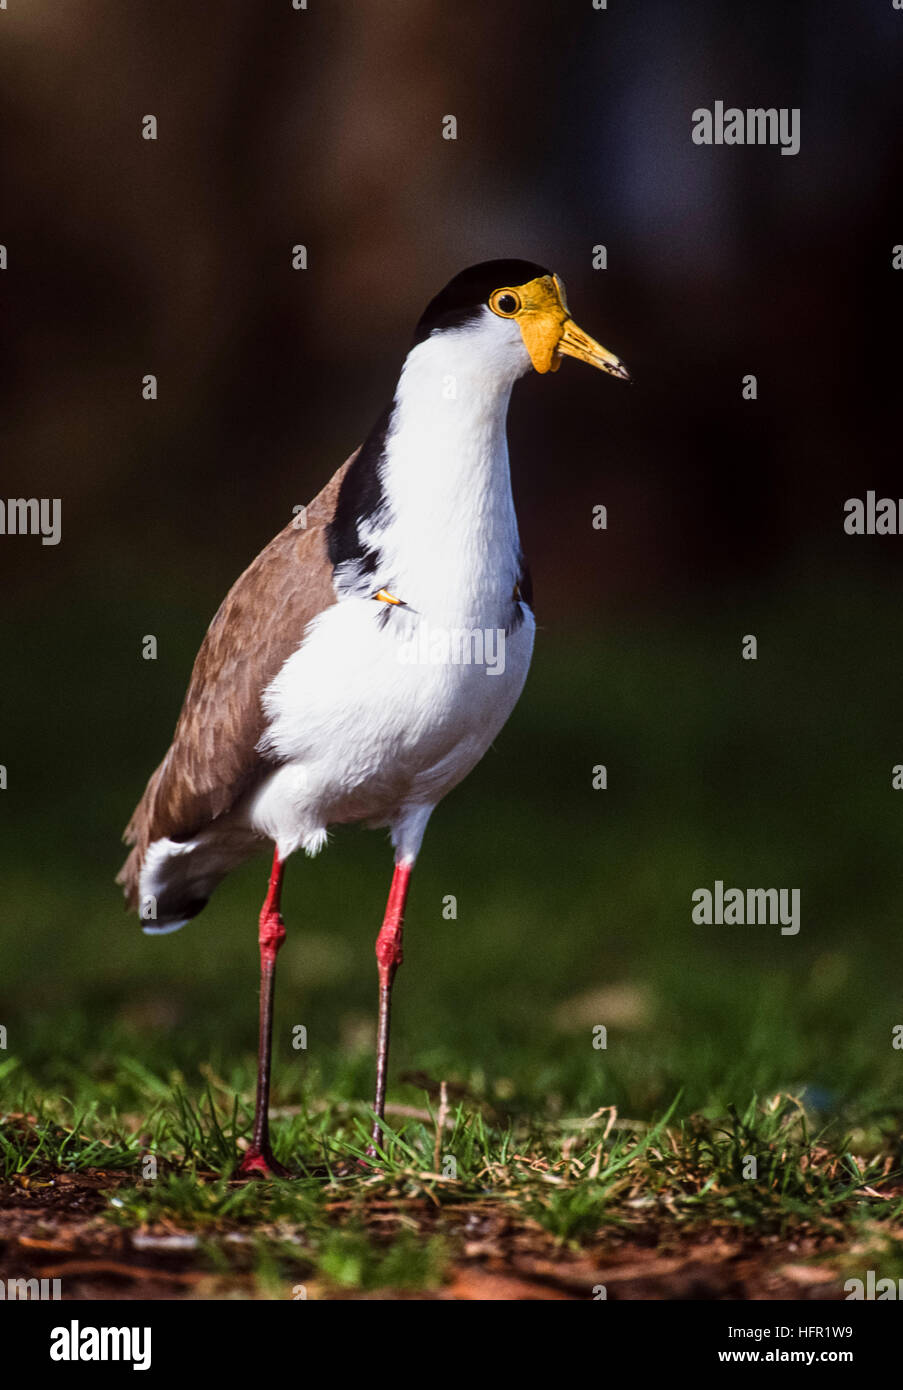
(572, 911)
(573, 1181)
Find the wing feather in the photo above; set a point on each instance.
(213, 759)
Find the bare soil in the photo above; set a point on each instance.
(56, 1228)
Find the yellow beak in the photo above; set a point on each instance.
(549, 332)
(575, 343)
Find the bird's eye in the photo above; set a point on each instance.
(505, 303)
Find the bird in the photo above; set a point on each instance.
(364, 662)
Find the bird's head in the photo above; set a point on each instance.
(520, 309)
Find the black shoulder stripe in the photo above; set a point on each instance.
(361, 499)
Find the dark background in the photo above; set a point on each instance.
(324, 127)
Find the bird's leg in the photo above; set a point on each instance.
(388, 957)
(259, 1160)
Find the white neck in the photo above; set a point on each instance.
(451, 546)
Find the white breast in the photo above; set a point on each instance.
(383, 709)
(366, 733)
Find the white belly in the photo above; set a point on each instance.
(378, 713)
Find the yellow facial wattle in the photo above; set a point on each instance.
(541, 312)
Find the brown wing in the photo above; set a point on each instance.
(213, 760)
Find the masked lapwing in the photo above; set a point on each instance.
(364, 662)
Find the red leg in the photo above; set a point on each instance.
(259, 1160)
(389, 957)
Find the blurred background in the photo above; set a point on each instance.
(174, 257)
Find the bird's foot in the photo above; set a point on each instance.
(260, 1163)
(371, 1164)
(351, 1167)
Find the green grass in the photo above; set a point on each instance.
(573, 910)
(573, 1180)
